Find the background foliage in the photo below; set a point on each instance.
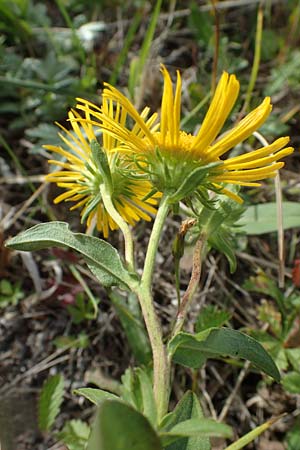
(54, 51)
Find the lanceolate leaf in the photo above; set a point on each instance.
(137, 391)
(188, 408)
(193, 350)
(146, 390)
(94, 395)
(196, 428)
(120, 427)
(101, 257)
(262, 218)
(222, 241)
(50, 400)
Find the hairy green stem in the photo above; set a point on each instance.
(124, 227)
(161, 364)
(154, 241)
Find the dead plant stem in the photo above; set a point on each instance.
(193, 284)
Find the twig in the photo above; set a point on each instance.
(221, 5)
(24, 207)
(233, 393)
(19, 179)
(261, 262)
(193, 284)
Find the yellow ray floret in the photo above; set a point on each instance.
(79, 174)
(181, 152)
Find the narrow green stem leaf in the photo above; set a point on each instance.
(249, 437)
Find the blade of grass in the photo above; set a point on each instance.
(126, 45)
(136, 73)
(59, 88)
(256, 61)
(249, 437)
(87, 290)
(56, 87)
(69, 22)
(214, 4)
(194, 111)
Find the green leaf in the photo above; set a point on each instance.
(262, 218)
(6, 287)
(211, 317)
(80, 341)
(271, 42)
(120, 427)
(293, 355)
(102, 259)
(222, 240)
(218, 224)
(94, 395)
(50, 401)
(129, 389)
(74, 434)
(136, 69)
(284, 76)
(192, 181)
(195, 428)
(193, 350)
(201, 23)
(291, 382)
(137, 391)
(10, 294)
(129, 313)
(187, 408)
(149, 406)
(279, 356)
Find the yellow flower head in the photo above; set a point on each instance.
(81, 178)
(170, 155)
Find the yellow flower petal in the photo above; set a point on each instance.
(221, 105)
(169, 155)
(112, 93)
(251, 174)
(257, 154)
(242, 131)
(81, 179)
(64, 153)
(260, 162)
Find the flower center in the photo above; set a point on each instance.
(180, 150)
